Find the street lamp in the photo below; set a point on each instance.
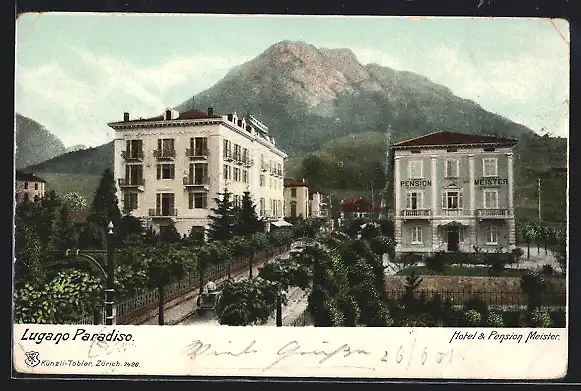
(281, 294)
(109, 317)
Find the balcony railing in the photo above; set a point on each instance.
(491, 213)
(248, 162)
(138, 182)
(132, 155)
(416, 213)
(160, 212)
(264, 167)
(200, 153)
(191, 181)
(228, 155)
(164, 153)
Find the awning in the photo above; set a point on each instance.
(281, 223)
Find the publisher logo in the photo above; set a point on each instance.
(31, 359)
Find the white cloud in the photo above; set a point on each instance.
(109, 85)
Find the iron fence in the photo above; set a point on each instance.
(494, 299)
(190, 281)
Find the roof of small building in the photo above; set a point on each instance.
(454, 138)
(22, 176)
(79, 217)
(291, 182)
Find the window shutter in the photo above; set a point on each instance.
(172, 171)
(204, 200)
(159, 144)
(159, 171)
(128, 148)
(158, 202)
(191, 200)
(444, 205)
(419, 234)
(460, 203)
(127, 173)
(420, 201)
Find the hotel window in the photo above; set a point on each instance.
(198, 200)
(36, 186)
(490, 199)
(134, 148)
(134, 174)
(245, 155)
(262, 207)
(416, 234)
(490, 167)
(164, 204)
(294, 192)
(271, 183)
(227, 149)
(166, 146)
(236, 200)
(130, 201)
(414, 200)
(491, 235)
(453, 168)
(236, 174)
(244, 176)
(415, 169)
(262, 180)
(452, 199)
(166, 171)
(227, 172)
(199, 145)
(279, 208)
(25, 185)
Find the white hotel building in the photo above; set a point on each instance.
(171, 167)
(454, 191)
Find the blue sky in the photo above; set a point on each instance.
(76, 72)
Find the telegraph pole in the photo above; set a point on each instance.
(539, 187)
(109, 290)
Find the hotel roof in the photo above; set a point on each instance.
(452, 138)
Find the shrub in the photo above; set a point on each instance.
(477, 304)
(472, 318)
(548, 270)
(437, 262)
(517, 254)
(494, 320)
(540, 318)
(421, 320)
(533, 284)
(409, 259)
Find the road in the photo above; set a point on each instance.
(183, 313)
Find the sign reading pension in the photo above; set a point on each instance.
(416, 183)
(490, 181)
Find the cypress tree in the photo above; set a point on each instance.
(223, 220)
(248, 221)
(105, 206)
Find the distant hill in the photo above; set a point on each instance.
(309, 96)
(350, 165)
(76, 148)
(34, 143)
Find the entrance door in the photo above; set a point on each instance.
(453, 238)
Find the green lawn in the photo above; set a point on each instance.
(459, 271)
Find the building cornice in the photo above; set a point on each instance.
(440, 146)
(196, 122)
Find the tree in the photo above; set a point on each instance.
(165, 263)
(130, 226)
(63, 235)
(75, 202)
(247, 302)
(223, 219)
(528, 234)
(105, 206)
(248, 222)
(27, 254)
(46, 214)
(169, 234)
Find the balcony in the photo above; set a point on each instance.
(416, 213)
(238, 159)
(163, 213)
(136, 156)
(138, 183)
(228, 156)
(264, 167)
(203, 182)
(491, 213)
(197, 153)
(164, 154)
(247, 162)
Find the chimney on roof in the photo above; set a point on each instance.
(125, 117)
(210, 111)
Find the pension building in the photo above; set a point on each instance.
(454, 191)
